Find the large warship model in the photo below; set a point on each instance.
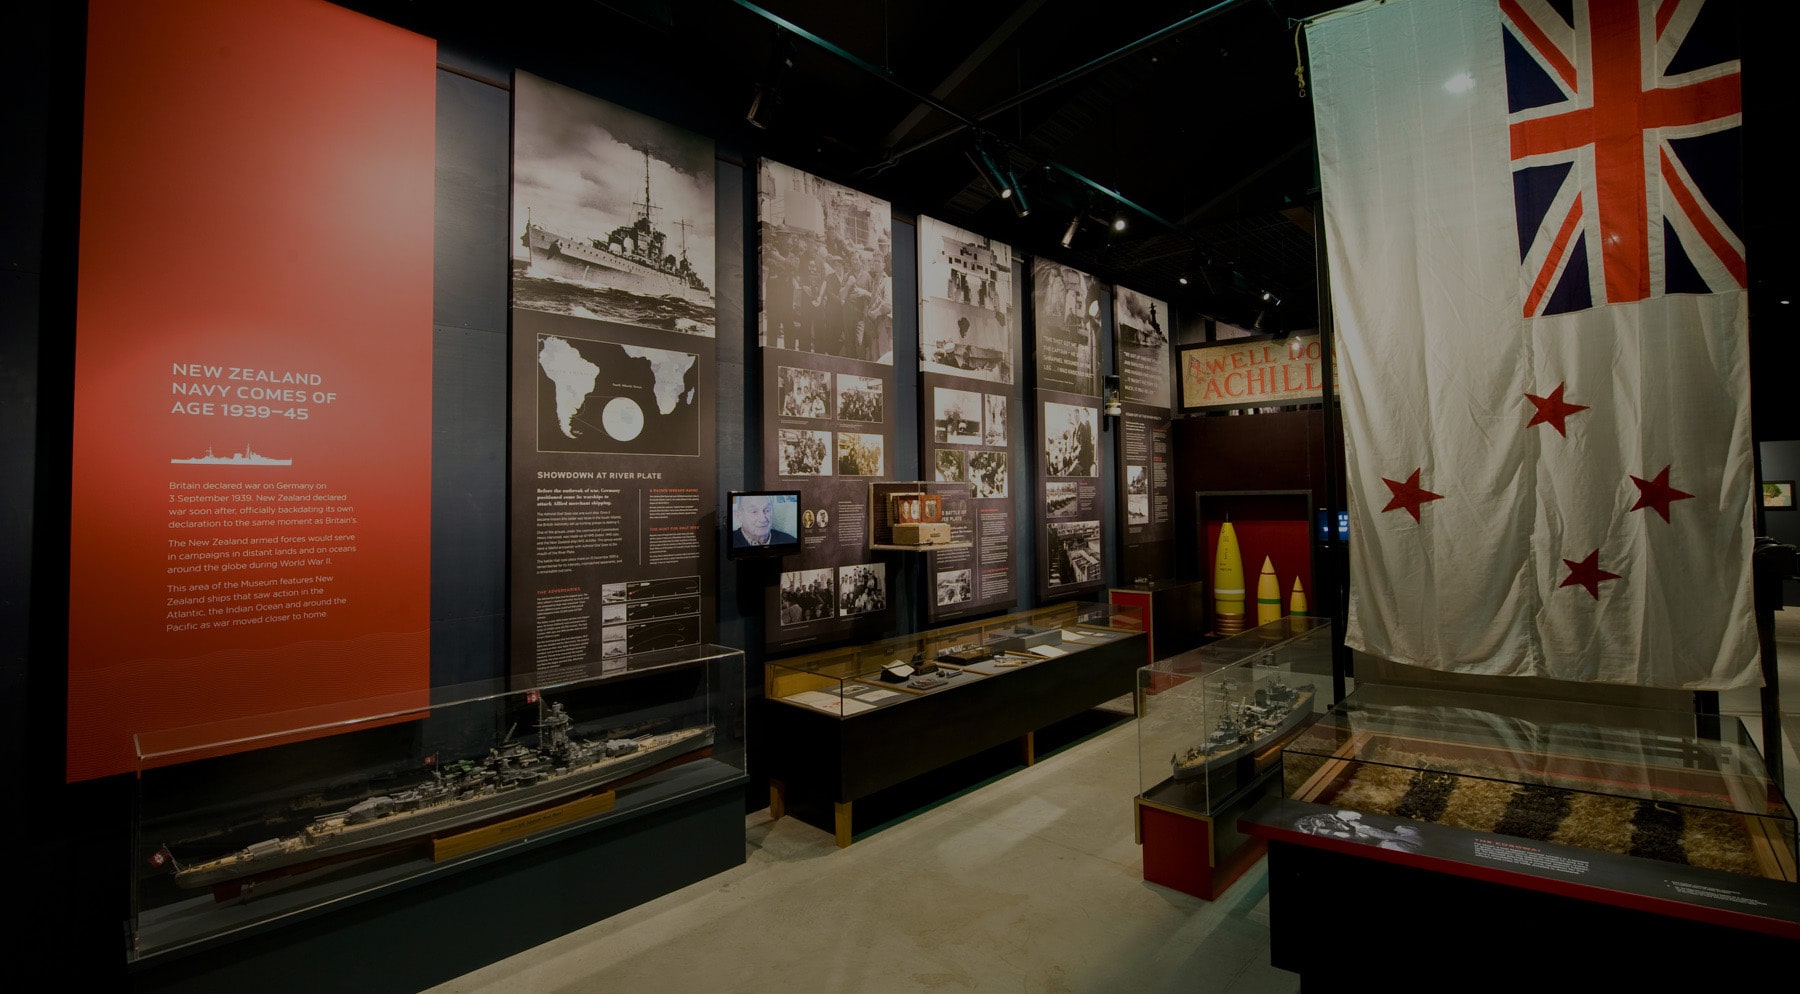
(512, 778)
(1275, 710)
(633, 257)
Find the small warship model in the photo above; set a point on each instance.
(1275, 710)
(512, 778)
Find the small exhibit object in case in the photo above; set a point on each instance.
(763, 523)
(915, 508)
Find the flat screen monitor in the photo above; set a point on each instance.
(763, 523)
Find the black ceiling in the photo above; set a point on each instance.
(1193, 114)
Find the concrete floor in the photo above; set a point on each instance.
(1030, 884)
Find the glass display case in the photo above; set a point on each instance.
(1214, 718)
(855, 679)
(1665, 785)
(843, 724)
(243, 824)
(1211, 724)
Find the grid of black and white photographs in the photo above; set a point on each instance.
(1066, 308)
(969, 348)
(826, 329)
(612, 212)
(967, 325)
(612, 365)
(827, 267)
(1140, 325)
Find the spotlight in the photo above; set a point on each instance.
(1118, 222)
(1001, 183)
(1020, 207)
(1068, 237)
(768, 94)
(1182, 280)
(1270, 298)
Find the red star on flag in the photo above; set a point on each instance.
(1552, 410)
(1587, 573)
(1657, 494)
(1409, 495)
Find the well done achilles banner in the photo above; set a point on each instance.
(1066, 312)
(827, 333)
(613, 473)
(250, 496)
(968, 368)
(1534, 217)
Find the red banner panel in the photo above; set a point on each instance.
(250, 502)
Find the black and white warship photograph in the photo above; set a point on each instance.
(1139, 323)
(827, 267)
(967, 324)
(1066, 305)
(1137, 495)
(613, 212)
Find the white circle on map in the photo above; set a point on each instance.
(622, 418)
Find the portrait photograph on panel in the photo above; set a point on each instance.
(956, 416)
(827, 267)
(966, 322)
(804, 393)
(803, 452)
(987, 474)
(613, 212)
(955, 586)
(862, 588)
(859, 454)
(1070, 442)
(808, 595)
(860, 399)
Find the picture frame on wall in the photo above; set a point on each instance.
(1778, 495)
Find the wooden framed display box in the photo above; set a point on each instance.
(846, 723)
(1211, 725)
(239, 830)
(917, 515)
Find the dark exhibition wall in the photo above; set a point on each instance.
(81, 855)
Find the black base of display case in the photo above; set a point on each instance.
(1450, 909)
(448, 925)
